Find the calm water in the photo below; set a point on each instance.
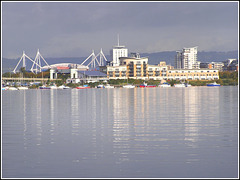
(139, 133)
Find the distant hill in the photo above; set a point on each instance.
(153, 58)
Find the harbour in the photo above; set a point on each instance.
(118, 90)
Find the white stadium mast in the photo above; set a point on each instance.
(36, 62)
(94, 60)
(24, 56)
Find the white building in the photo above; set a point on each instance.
(65, 68)
(117, 52)
(187, 59)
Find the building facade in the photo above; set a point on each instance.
(135, 67)
(66, 68)
(193, 74)
(212, 65)
(187, 59)
(78, 76)
(117, 52)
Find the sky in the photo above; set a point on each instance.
(74, 29)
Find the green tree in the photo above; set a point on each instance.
(23, 70)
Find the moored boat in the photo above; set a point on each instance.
(53, 87)
(22, 88)
(100, 86)
(44, 87)
(180, 85)
(12, 88)
(5, 88)
(63, 87)
(128, 86)
(213, 84)
(188, 85)
(150, 86)
(146, 85)
(163, 85)
(109, 86)
(83, 87)
(143, 85)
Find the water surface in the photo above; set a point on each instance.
(110, 133)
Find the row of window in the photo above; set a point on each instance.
(188, 71)
(195, 75)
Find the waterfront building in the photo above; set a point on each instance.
(193, 74)
(212, 65)
(163, 68)
(135, 67)
(65, 68)
(86, 76)
(187, 59)
(117, 52)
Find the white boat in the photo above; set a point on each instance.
(188, 85)
(109, 86)
(53, 87)
(12, 88)
(164, 85)
(44, 87)
(100, 86)
(129, 86)
(180, 85)
(63, 87)
(22, 88)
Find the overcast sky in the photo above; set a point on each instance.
(74, 29)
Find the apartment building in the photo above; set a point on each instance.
(187, 59)
(193, 74)
(136, 67)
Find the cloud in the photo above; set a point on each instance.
(75, 28)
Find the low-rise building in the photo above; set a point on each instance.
(65, 68)
(86, 76)
(192, 74)
(212, 65)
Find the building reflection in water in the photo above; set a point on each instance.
(154, 117)
(75, 111)
(121, 122)
(196, 115)
(39, 118)
(25, 128)
(132, 118)
(52, 115)
(191, 103)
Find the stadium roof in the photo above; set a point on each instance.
(65, 65)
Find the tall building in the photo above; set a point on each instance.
(178, 60)
(117, 52)
(187, 59)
